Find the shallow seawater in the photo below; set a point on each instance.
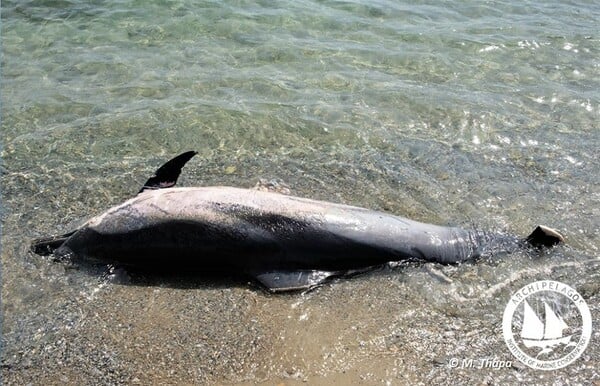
(476, 115)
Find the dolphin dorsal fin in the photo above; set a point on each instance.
(166, 176)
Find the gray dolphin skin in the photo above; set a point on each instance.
(283, 242)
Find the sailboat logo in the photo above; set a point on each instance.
(547, 325)
(546, 336)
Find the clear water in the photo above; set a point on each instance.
(472, 114)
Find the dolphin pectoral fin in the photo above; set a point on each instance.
(280, 281)
(543, 236)
(166, 176)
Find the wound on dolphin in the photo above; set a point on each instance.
(281, 241)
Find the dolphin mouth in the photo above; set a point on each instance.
(543, 236)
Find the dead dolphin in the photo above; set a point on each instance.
(283, 242)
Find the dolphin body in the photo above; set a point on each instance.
(283, 242)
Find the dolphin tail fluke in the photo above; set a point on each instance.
(47, 245)
(543, 236)
(166, 176)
